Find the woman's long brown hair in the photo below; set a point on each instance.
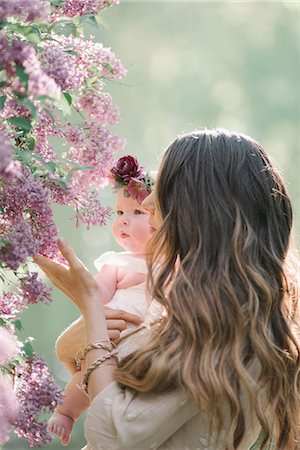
(219, 258)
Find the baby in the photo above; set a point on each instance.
(121, 276)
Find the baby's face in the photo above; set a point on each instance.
(131, 228)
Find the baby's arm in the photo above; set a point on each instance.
(71, 340)
(107, 280)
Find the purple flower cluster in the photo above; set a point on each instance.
(11, 304)
(90, 211)
(73, 8)
(8, 409)
(37, 66)
(97, 59)
(8, 168)
(94, 148)
(20, 244)
(20, 53)
(99, 107)
(29, 227)
(66, 69)
(29, 10)
(34, 290)
(37, 393)
(9, 346)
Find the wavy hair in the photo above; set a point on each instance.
(218, 267)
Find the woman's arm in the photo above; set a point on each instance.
(72, 339)
(79, 285)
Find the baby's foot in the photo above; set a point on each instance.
(61, 425)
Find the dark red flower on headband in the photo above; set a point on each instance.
(126, 168)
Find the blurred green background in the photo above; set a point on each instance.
(191, 65)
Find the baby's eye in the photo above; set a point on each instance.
(138, 211)
(119, 213)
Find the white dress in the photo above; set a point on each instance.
(132, 299)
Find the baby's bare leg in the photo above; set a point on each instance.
(75, 402)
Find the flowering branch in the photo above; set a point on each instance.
(47, 71)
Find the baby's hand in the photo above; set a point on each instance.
(116, 321)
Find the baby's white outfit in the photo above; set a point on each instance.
(132, 299)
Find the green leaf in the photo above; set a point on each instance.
(1, 209)
(71, 52)
(68, 97)
(30, 141)
(56, 3)
(22, 75)
(28, 103)
(64, 105)
(28, 349)
(2, 101)
(63, 184)
(18, 325)
(34, 38)
(20, 122)
(51, 166)
(2, 84)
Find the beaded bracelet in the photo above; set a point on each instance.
(97, 363)
(94, 345)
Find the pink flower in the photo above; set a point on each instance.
(8, 408)
(9, 346)
(11, 304)
(36, 393)
(72, 8)
(34, 290)
(90, 211)
(28, 9)
(99, 107)
(137, 190)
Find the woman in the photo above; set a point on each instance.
(221, 365)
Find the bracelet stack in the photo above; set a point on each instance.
(103, 360)
(94, 345)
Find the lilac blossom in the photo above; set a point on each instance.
(90, 211)
(18, 52)
(39, 82)
(20, 243)
(37, 393)
(34, 290)
(9, 346)
(8, 408)
(99, 107)
(12, 108)
(6, 152)
(11, 304)
(66, 69)
(73, 8)
(8, 168)
(36, 234)
(97, 59)
(96, 150)
(29, 10)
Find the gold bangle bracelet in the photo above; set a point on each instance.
(94, 345)
(97, 363)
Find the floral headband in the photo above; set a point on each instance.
(127, 172)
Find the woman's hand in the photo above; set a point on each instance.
(75, 281)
